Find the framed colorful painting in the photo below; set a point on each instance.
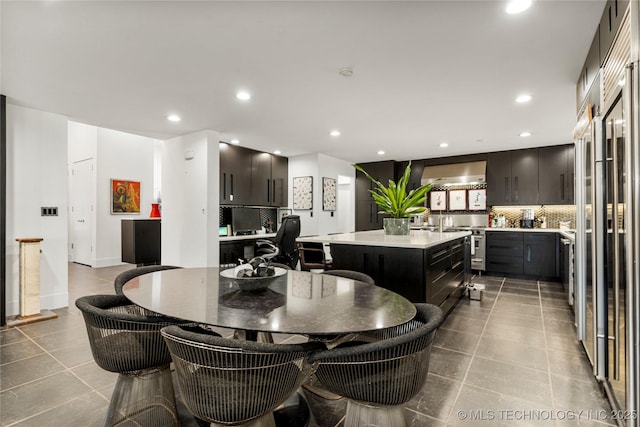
(125, 196)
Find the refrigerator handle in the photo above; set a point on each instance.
(616, 256)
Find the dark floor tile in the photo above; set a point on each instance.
(511, 380)
(503, 350)
(52, 326)
(571, 393)
(517, 309)
(515, 333)
(551, 286)
(511, 319)
(481, 407)
(570, 365)
(533, 293)
(462, 323)
(66, 337)
(18, 350)
(554, 303)
(436, 397)
(74, 355)
(38, 396)
(449, 363)
(519, 299)
(454, 340)
(560, 327)
(568, 344)
(10, 336)
(553, 295)
(26, 370)
(525, 285)
(561, 314)
(95, 376)
(87, 410)
(476, 309)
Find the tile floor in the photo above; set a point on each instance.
(510, 359)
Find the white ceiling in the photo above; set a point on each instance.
(424, 71)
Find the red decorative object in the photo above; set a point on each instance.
(155, 210)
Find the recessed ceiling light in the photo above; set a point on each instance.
(346, 72)
(235, 141)
(173, 118)
(243, 95)
(334, 133)
(525, 97)
(517, 6)
(444, 144)
(380, 152)
(277, 152)
(525, 134)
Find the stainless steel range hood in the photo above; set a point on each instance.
(455, 173)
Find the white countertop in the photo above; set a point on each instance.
(419, 239)
(569, 234)
(247, 237)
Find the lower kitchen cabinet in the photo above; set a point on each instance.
(434, 275)
(533, 255)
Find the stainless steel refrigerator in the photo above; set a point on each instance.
(608, 241)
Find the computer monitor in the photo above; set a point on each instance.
(245, 220)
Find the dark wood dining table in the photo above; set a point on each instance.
(296, 303)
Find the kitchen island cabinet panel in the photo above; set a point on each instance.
(434, 275)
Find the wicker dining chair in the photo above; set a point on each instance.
(231, 382)
(127, 275)
(379, 377)
(125, 339)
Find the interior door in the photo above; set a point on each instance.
(81, 212)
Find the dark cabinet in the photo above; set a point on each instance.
(541, 255)
(269, 179)
(231, 252)
(415, 177)
(609, 25)
(587, 82)
(141, 241)
(504, 252)
(250, 177)
(556, 177)
(434, 275)
(367, 217)
(523, 254)
(235, 175)
(512, 177)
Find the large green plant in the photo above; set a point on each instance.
(394, 199)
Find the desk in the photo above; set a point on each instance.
(296, 303)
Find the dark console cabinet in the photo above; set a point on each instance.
(141, 241)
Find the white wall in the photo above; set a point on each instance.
(120, 156)
(190, 201)
(36, 177)
(317, 221)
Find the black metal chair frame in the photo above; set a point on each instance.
(126, 339)
(231, 382)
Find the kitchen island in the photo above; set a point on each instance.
(425, 266)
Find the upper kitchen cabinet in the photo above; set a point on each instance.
(588, 83)
(556, 177)
(512, 177)
(250, 177)
(609, 25)
(367, 217)
(235, 175)
(417, 167)
(269, 176)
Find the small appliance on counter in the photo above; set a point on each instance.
(526, 223)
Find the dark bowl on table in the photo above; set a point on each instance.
(254, 283)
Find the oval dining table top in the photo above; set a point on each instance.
(298, 302)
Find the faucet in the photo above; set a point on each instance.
(440, 223)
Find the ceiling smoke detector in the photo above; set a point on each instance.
(346, 72)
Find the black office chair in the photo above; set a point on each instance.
(125, 276)
(282, 248)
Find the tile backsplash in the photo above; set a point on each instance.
(553, 213)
